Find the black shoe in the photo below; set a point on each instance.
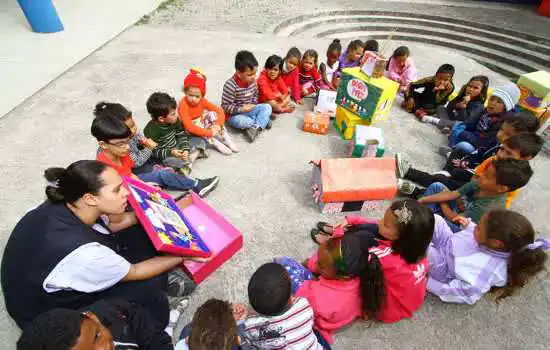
(179, 284)
(269, 125)
(273, 117)
(251, 133)
(205, 186)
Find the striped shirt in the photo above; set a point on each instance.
(291, 330)
(167, 137)
(234, 96)
(461, 270)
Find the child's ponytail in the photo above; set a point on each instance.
(516, 235)
(372, 285)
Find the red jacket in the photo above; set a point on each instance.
(292, 80)
(270, 89)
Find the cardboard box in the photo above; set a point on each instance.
(222, 238)
(339, 207)
(367, 141)
(369, 98)
(336, 183)
(535, 91)
(373, 64)
(326, 102)
(346, 121)
(316, 122)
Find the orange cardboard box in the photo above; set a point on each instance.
(316, 123)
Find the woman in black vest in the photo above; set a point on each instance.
(70, 251)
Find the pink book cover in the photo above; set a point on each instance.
(168, 228)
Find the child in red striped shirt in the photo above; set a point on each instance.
(310, 79)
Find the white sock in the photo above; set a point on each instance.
(430, 120)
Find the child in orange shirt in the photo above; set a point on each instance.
(202, 118)
(273, 89)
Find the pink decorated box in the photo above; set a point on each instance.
(221, 237)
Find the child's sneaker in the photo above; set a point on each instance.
(203, 153)
(442, 172)
(402, 165)
(273, 117)
(446, 131)
(186, 170)
(269, 125)
(179, 284)
(205, 186)
(252, 133)
(405, 187)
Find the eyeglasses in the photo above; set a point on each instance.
(120, 144)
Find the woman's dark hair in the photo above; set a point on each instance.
(515, 232)
(57, 329)
(484, 89)
(416, 234)
(269, 289)
(355, 44)
(213, 327)
(334, 46)
(313, 54)
(400, 51)
(69, 185)
(114, 109)
(107, 127)
(522, 121)
(294, 52)
(273, 61)
(371, 45)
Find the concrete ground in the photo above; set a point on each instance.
(264, 189)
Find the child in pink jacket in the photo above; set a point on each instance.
(368, 270)
(401, 68)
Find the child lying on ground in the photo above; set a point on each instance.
(175, 148)
(523, 146)
(468, 104)
(330, 66)
(240, 98)
(500, 251)
(202, 118)
(310, 79)
(106, 324)
(480, 133)
(113, 138)
(481, 194)
(437, 90)
(401, 68)
(272, 87)
(375, 272)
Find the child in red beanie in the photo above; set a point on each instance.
(201, 117)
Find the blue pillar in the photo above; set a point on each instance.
(41, 15)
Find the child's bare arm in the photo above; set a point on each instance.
(447, 211)
(444, 196)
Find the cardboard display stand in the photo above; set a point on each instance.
(345, 184)
(367, 141)
(535, 92)
(326, 102)
(206, 233)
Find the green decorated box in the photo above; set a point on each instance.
(367, 141)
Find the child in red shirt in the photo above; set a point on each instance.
(368, 270)
(202, 118)
(310, 79)
(291, 73)
(273, 89)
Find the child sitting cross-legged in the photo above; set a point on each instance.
(436, 92)
(279, 320)
(480, 132)
(106, 324)
(113, 137)
(372, 271)
(499, 252)
(202, 118)
(240, 98)
(273, 89)
(213, 327)
(175, 148)
(486, 192)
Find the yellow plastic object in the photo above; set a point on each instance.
(346, 121)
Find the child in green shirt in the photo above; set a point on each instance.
(480, 195)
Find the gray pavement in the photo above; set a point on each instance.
(264, 188)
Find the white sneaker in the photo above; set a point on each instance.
(405, 187)
(442, 172)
